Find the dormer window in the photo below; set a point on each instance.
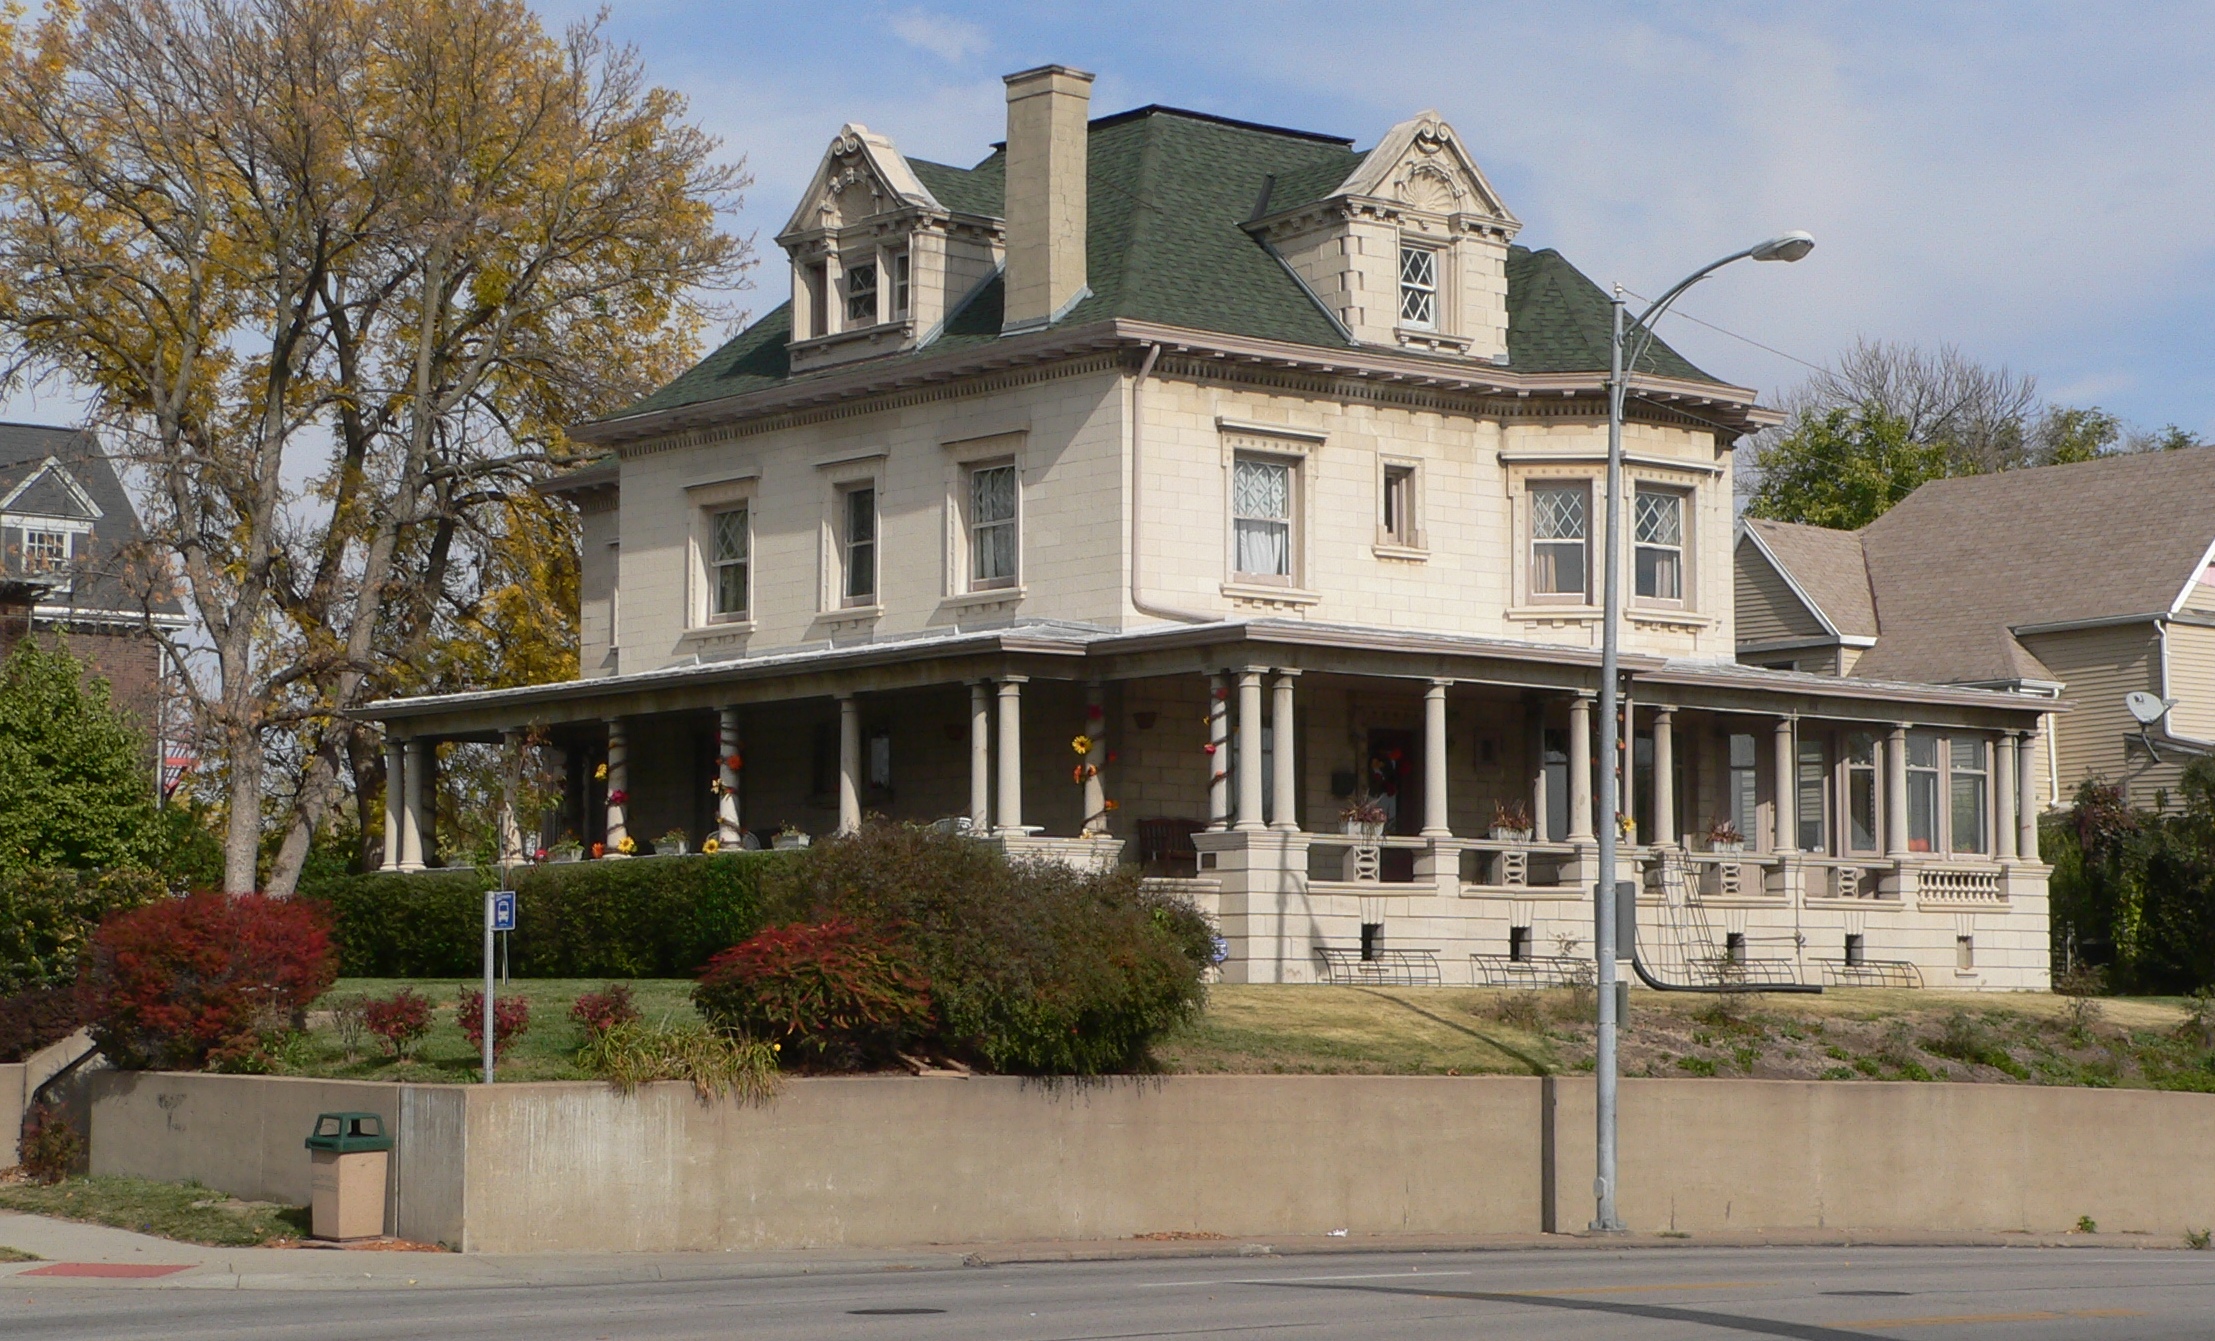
(861, 295)
(45, 551)
(1418, 288)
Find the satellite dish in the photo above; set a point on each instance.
(2146, 708)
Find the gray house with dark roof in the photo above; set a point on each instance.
(2090, 581)
(68, 538)
(1220, 497)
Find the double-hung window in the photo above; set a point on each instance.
(1922, 791)
(858, 540)
(992, 527)
(1559, 537)
(1744, 796)
(1660, 545)
(861, 295)
(1861, 792)
(45, 551)
(1419, 288)
(1967, 782)
(1398, 522)
(730, 564)
(1811, 800)
(1261, 518)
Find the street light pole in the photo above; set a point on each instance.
(1787, 247)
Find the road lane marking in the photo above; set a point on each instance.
(1972, 1319)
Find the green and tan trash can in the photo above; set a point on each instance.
(349, 1151)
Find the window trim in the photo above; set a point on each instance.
(1292, 465)
(1531, 490)
(967, 503)
(1407, 540)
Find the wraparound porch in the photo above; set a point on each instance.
(1879, 823)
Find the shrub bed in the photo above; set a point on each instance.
(173, 983)
(654, 918)
(836, 994)
(1032, 968)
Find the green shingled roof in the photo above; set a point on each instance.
(1169, 193)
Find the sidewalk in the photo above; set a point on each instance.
(135, 1259)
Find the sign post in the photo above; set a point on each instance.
(499, 916)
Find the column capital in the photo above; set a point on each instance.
(1443, 682)
(1255, 671)
(1011, 679)
(1788, 719)
(1587, 695)
(1286, 672)
(1663, 711)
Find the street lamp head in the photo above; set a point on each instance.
(1786, 247)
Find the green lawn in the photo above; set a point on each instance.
(546, 1051)
(185, 1211)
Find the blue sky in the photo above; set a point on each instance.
(2035, 183)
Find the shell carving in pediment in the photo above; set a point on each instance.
(1426, 186)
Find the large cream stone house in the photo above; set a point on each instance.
(1268, 466)
(2094, 581)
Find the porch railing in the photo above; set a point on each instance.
(1955, 883)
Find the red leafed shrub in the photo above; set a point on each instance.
(598, 1012)
(169, 983)
(36, 1016)
(834, 994)
(52, 1148)
(400, 1021)
(511, 1016)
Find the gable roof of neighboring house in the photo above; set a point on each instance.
(1169, 193)
(1957, 567)
(63, 473)
(1826, 570)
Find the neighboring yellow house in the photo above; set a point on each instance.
(1270, 467)
(2086, 582)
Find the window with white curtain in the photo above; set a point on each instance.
(992, 534)
(1261, 518)
(729, 560)
(1559, 537)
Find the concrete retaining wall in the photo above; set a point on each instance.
(881, 1162)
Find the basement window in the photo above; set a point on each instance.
(1855, 953)
(1518, 944)
(1734, 946)
(1965, 953)
(1372, 940)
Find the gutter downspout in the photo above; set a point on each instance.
(1138, 457)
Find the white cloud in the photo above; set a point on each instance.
(951, 40)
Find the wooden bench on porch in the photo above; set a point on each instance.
(1380, 967)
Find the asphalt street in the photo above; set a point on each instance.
(1821, 1294)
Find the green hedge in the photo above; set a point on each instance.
(657, 917)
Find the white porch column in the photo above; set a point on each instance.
(1580, 769)
(511, 785)
(849, 764)
(1095, 782)
(1249, 749)
(1895, 792)
(1011, 753)
(1284, 763)
(1787, 788)
(980, 756)
(2006, 795)
(730, 762)
(411, 808)
(396, 772)
(619, 786)
(1218, 752)
(1435, 824)
(2026, 805)
(1665, 777)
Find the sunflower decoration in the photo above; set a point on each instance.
(1082, 744)
(600, 774)
(709, 847)
(628, 846)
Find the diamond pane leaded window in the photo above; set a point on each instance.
(1261, 517)
(729, 560)
(861, 296)
(1660, 540)
(992, 537)
(1419, 287)
(1558, 541)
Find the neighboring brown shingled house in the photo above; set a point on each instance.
(66, 529)
(2087, 581)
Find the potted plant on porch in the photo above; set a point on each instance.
(1511, 822)
(1363, 818)
(675, 843)
(789, 837)
(1723, 836)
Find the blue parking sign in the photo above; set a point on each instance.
(503, 910)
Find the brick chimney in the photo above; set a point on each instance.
(1047, 113)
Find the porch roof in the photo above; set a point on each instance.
(1065, 650)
